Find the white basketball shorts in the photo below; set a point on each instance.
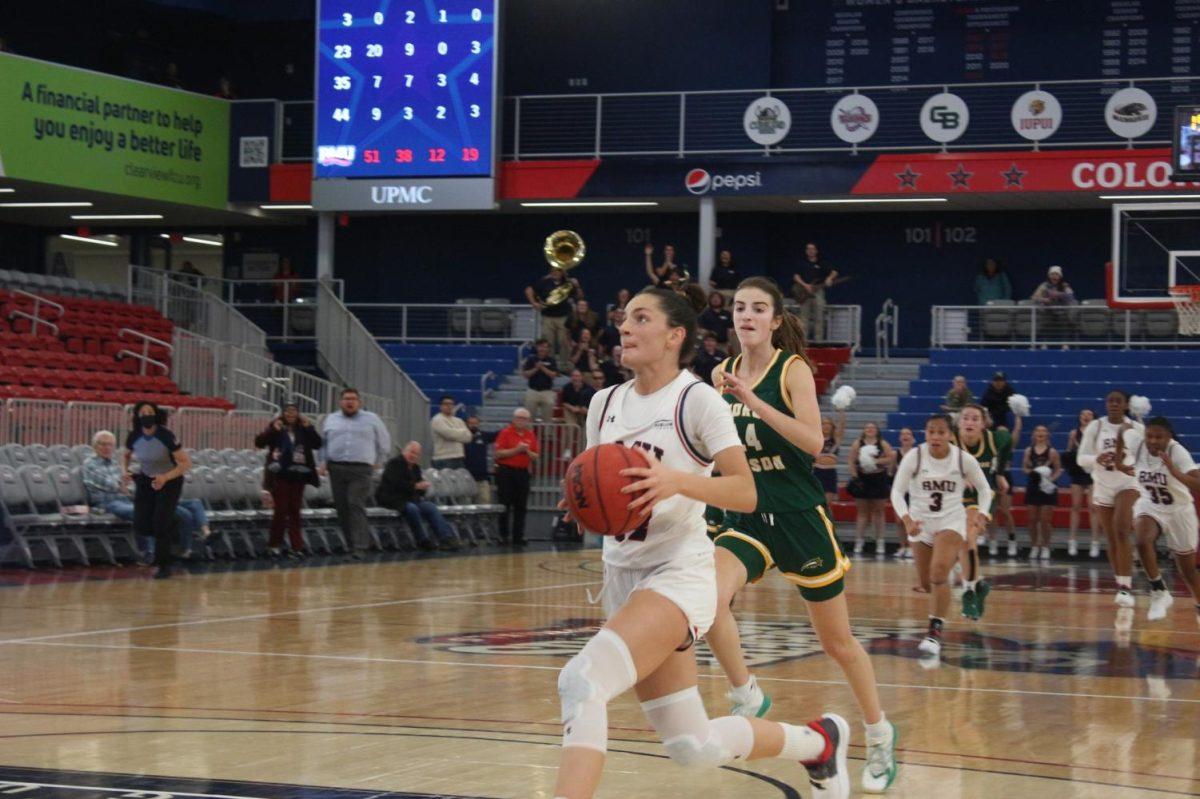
(690, 582)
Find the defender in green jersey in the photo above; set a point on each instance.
(772, 396)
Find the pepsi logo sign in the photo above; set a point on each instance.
(699, 181)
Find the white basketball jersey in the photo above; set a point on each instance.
(683, 424)
(1157, 485)
(1100, 437)
(935, 486)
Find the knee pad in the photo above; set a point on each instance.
(601, 671)
(691, 740)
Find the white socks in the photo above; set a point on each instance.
(878, 732)
(802, 743)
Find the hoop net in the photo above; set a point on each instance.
(1187, 305)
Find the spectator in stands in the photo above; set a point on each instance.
(476, 451)
(708, 358)
(1055, 290)
(958, 396)
(403, 489)
(540, 370)
(171, 76)
(724, 276)
(225, 89)
(992, 282)
(450, 433)
(159, 483)
(286, 287)
(516, 452)
(610, 336)
(552, 296)
(356, 444)
(808, 287)
(614, 372)
(583, 319)
(668, 273)
(995, 399)
(716, 318)
(623, 296)
(583, 355)
(576, 396)
(292, 444)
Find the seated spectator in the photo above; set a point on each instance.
(292, 443)
(225, 89)
(1055, 290)
(995, 399)
(716, 318)
(992, 283)
(666, 274)
(576, 396)
(724, 276)
(476, 451)
(582, 319)
(610, 367)
(623, 296)
(403, 488)
(610, 336)
(540, 370)
(708, 358)
(583, 355)
(450, 433)
(958, 396)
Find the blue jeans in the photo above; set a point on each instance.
(424, 509)
(190, 512)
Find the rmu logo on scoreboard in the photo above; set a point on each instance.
(699, 181)
(340, 155)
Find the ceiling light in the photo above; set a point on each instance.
(1150, 197)
(116, 216)
(863, 200)
(88, 240)
(286, 207)
(209, 242)
(598, 204)
(45, 205)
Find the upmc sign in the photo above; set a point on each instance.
(447, 194)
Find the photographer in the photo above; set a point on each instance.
(291, 442)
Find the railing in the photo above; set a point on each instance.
(193, 308)
(843, 326)
(681, 124)
(144, 355)
(1092, 324)
(347, 351)
(558, 444)
(482, 323)
(34, 317)
(887, 329)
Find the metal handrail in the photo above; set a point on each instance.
(1066, 326)
(38, 301)
(883, 321)
(144, 357)
(253, 398)
(33, 317)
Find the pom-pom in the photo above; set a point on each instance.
(1019, 404)
(1044, 471)
(843, 398)
(1047, 486)
(1139, 406)
(866, 457)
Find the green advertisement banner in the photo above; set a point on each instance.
(71, 127)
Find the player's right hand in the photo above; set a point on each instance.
(912, 527)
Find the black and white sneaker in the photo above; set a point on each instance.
(828, 776)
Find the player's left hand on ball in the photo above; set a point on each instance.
(657, 482)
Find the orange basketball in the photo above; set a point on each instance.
(594, 484)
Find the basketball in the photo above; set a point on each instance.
(594, 484)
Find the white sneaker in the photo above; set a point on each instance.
(1124, 599)
(829, 780)
(1094, 552)
(1072, 548)
(993, 547)
(858, 547)
(881, 768)
(749, 700)
(1033, 554)
(1160, 603)
(930, 646)
(1045, 553)
(1012, 549)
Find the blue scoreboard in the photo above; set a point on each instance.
(405, 114)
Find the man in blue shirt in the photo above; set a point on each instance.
(356, 444)
(476, 451)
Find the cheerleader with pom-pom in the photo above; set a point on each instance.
(870, 458)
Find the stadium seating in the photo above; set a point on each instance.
(42, 493)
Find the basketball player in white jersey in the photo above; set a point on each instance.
(660, 590)
(1113, 491)
(934, 476)
(1166, 476)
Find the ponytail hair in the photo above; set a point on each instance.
(789, 336)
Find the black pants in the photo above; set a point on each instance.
(513, 487)
(154, 516)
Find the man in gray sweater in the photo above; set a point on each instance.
(449, 435)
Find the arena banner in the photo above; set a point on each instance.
(72, 127)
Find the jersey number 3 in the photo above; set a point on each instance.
(935, 502)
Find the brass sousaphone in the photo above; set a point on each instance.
(564, 249)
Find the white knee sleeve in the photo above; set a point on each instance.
(690, 738)
(601, 671)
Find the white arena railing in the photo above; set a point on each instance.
(1023, 324)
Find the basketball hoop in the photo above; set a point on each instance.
(1187, 305)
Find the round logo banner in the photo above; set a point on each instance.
(767, 121)
(945, 117)
(1036, 115)
(1130, 113)
(854, 118)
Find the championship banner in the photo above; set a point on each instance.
(72, 127)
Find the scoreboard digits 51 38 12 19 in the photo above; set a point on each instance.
(405, 88)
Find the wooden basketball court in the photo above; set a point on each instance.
(436, 676)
